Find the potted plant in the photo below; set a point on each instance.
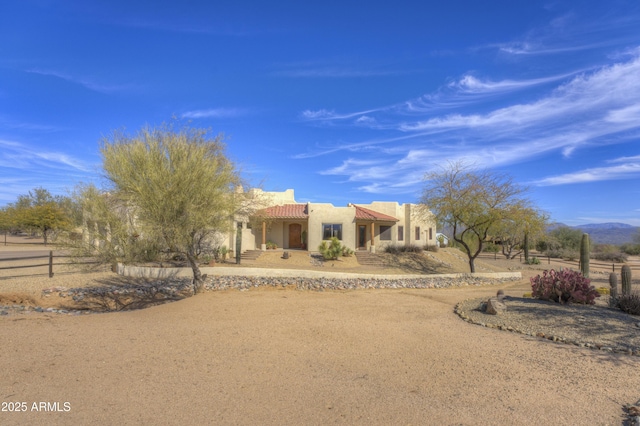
(303, 237)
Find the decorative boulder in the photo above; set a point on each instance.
(495, 306)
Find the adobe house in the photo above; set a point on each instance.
(368, 227)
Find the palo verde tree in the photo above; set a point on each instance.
(41, 212)
(471, 202)
(519, 227)
(178, 186)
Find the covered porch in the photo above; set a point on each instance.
(371, 224)
(285, 226)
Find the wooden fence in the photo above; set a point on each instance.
(634, 264)
(50, 262)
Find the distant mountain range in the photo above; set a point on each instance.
(605, 233)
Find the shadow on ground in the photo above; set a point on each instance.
(125, 293)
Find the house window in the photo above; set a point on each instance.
(430, 234)
(385, 233)
(417, 233)
(400, 233)
(330, 230)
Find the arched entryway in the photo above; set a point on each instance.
(295, 231)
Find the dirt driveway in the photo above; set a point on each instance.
(295, 357)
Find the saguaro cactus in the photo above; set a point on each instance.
(584, 255)
(626, 280)
(613, 292)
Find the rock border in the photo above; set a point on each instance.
(553, 338)
(172, 287)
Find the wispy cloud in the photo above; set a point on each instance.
(624, 168)
(326, 115)
(23, 167)
(571, 32)
(16, 155)
(215, 113)
(574, 110)
(82, 81)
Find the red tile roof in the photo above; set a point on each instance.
(367, 214)
(287, 211)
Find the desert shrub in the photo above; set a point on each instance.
(271, 245)
(568, 238)
(629, 303)
(617, 257)
(630, 249)
(566, 254)
(145, 251)
(533, 261)
(331, 250)
(431, 247)
(490, 247)
(392, 249)
(564, 287)
(347, 252)
(397, 249)
(546, 243)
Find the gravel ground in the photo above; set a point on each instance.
(594, 326)
(279, 356)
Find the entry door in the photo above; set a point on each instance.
(295, 230)
(362, 236)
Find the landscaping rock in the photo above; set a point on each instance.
(495, 306)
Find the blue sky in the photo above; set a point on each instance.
(343, 101)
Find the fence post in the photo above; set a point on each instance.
(50, 263)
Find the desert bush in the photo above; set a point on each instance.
(533, 261)
(347, 252)
(431, 247)
(629, 303)
(490, 247)
(566, 254)
(397, 249)
(630, 249)
(617, 257)
(564, 287)
(392, 249)
(271, 245)
(547, 243)
(331, 250)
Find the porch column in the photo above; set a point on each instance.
(263, 247)
(373, 247)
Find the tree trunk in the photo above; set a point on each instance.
(472, 266)
(198, 282)
(526, 247)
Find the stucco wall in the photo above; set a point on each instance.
(320, 214)
(409, 217)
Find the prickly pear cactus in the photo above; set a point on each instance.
(626, 280)
(584, 255)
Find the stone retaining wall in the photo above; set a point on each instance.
(320, 284)
(222, 271)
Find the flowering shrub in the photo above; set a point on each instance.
(564, 287)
